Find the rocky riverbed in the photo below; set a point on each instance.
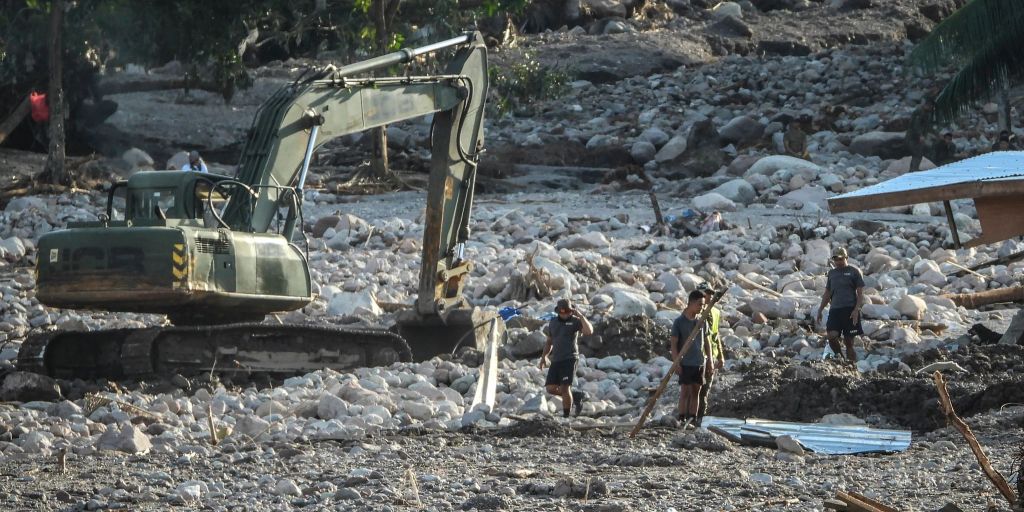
(566, 212)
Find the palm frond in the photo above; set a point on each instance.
(963, 35)
(991, 67)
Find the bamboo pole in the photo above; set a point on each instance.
(979, 452)
(651, 402)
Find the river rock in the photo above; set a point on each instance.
(885, 145)
(738, 191)
(713, 201)
(29, 387)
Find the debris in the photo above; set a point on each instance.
(941, 366)
(854, 502)
(965, 430)
(816, 437)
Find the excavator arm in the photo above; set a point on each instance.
(337, 102)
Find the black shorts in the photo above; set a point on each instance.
(839, 321)
(561, 372)
(690, 375)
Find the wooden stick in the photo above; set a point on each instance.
(856, 505)
(979, 452)
(874, 503)
(651, 402)
(769, 291)
(964, 269)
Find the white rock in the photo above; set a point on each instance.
(287, 487)
(724, 9)
(362, 303)
(133, 440)
(138, 159)
(769, 165)
(790, 444)
(590, 240)
(331, 407)
(912, 307)
(672, 149)
(629, 301)
(932, 277)
(841, 419)
(902, 166)
(713, 201)
(738, 190)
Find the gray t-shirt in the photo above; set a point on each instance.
(681, 329)
(843, 282)
(565, 337)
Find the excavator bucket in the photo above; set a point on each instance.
(430, 336)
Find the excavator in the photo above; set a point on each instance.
(216, 254)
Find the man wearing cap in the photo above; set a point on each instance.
(195, 163)
(562, 346)
(717, 353)
(844, 290)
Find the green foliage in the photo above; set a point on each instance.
(516, 88)
(983, 40)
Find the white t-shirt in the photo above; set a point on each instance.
(202, 167)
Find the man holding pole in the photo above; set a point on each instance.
(717, 353)
(695, 361)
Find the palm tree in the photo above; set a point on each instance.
(984, 40)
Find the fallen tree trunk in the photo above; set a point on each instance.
(972, 441)
(974, 300)
(14, 119)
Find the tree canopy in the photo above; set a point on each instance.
(983, 40)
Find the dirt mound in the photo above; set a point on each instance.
(537, 428)
(775, 392)
(635, 337)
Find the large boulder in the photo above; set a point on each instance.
(713, 201)
(769, 165)
(354, 304)
(701, 155)
(885, 145)
(741, 131)
(12, 249)
(912, 307)
(672, 150)
(811, 197)
(738, 191)
(902, 166)
(29, 387)
(628, 301)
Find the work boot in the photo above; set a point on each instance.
(578, 397)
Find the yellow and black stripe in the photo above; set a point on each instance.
(179, 263)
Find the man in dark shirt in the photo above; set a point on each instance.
(944, 150)
(917, 133)
(563, 346)
(844, 289)
(696, 362)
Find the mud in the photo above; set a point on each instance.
(808, 392)
(634, 337)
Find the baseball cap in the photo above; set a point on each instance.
(839, 252)
(563, 304)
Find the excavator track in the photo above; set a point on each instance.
(244, 348)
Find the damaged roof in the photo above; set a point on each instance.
(995, 181)
(817, 437)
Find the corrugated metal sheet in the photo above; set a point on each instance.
(1002, 165)
(817, 437)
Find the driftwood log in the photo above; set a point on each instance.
(974, 300)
